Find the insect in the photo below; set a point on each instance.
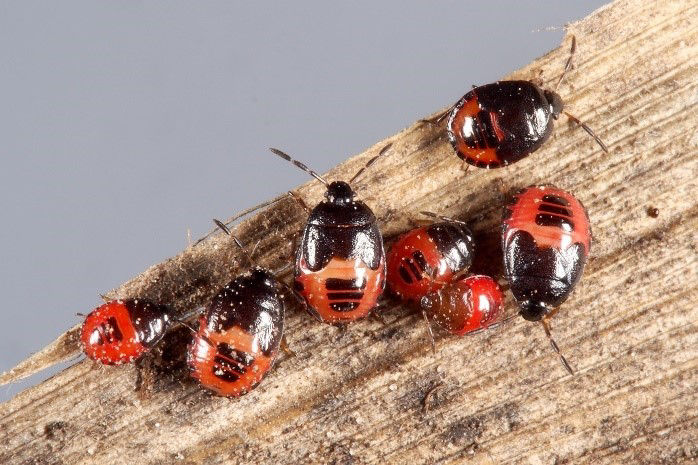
(120, 331)
(498, 124)
(340, 261)
(239, 333)
(470, 303)
(546, 239)
(428, 258)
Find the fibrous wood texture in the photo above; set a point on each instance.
(367, 394)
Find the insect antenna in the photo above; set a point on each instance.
(245, 212)
(370, 162)
(494, 325)
(187, 325)
(546, 327)
(182, 320)
(300, 165)
(443, 218)
(195, 332)
(281, 269)
(226, 230)
(568, 64)
(429, 330)
(184, 317)
(436, 120)
(588, 130)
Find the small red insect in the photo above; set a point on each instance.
(546, 239)
(239, 332)
(500, 123)
(469, 304)
(340, 261)
(120, 331)
(428, 258)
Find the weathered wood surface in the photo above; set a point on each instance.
(357, 396)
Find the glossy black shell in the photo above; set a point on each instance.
(253, 303)
(150, 321)
(341, 227)
(455, 242)
(541, 278)
(525, 115)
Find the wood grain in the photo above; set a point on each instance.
(356, 396)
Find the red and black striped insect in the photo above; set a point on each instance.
(120, 331)
(498, 124)
(468, 304)
(239, 333)
(428, 258)
(340, 261)
(546, 239)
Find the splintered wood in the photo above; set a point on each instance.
(375, 393)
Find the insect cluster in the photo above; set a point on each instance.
(341, 268)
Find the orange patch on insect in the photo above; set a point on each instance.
(101, 327)
(467, 305)
(205, 368)
(466, 117)
(417, 240)
(315, 293)
(523, 217)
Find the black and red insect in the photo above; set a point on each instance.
(498, 124)
(239, 334)
(470, 303)
(120, 331)
(340, 261)
(428, 258)
(546, 239)
(427, 266)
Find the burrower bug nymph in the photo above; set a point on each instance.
(498, 124)
(340, 261)
(120, 331)
(428, 258)
(239, 333)
(469, 304)
(546, 239)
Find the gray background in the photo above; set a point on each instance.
(124, 124)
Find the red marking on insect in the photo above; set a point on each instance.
(340, 262)
(120, 331)
(239, 332)
(469, 304)
(500, 123)
(546, 239)
(428, 258)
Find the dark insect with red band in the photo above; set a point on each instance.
(340, 261)
(546, 239)
(500, 123)
(428, 258)
(239, 333)
(120, 331)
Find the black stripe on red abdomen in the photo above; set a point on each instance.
(230, 363)
(344, 295)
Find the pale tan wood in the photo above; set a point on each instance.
(357, 396)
